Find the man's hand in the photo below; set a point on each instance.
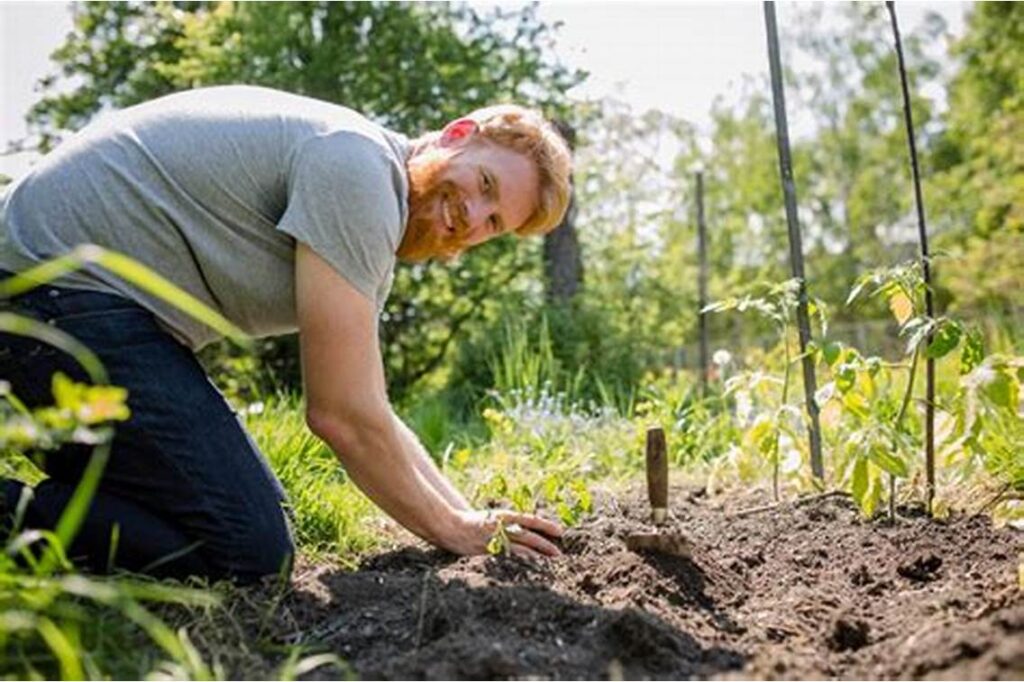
(528, 534)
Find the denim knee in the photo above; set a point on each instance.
(268, 551)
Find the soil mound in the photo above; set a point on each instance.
(797, 591)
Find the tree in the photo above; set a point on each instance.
(856, 180)
(410, 66)
(979, 159)
(563, 262)
(986, 118)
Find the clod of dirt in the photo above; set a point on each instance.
(861, 576)
(922, 569)
(848, 635)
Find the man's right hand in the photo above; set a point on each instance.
(347, 406)
(528, 534)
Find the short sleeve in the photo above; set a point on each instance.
(345, 203)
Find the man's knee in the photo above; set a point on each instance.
(269, 550)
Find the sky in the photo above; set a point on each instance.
(673, 56)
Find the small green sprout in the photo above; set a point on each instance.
(500, 543)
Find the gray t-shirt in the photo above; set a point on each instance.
(211, 188)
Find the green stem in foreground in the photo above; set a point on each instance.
(910, 387)
(899, 422)
(785, 397)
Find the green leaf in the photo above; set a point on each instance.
(63, 650)
(831, 352)
(522, 499)
(569, 515)
(846, 377)
(550, 487)
(584, 500)
(1003, 390)
(944, 339)
(858, 288)
(859, 483)
(972, 352)
(887, 461)
(856, 404)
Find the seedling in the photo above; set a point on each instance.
(500, 543)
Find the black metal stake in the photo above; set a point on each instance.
(702, 256)
(922, 230)
(796, 255)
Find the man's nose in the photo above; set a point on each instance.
(478, 213)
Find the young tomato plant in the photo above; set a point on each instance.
(567, 495)
(777, 303)
(903, 288)
(868, 444)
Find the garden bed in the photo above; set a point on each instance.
(809, 591)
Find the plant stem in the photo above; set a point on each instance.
(785, 376)
(892, 498)
(910, 388)
(898, 423)
(785, 399)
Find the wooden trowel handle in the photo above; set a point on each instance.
(657, 474)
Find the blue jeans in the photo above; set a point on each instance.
(186, 485)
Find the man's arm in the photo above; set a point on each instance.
(347, 406)
(430, 471)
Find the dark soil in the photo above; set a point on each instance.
(799, 591)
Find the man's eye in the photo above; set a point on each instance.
(486, 182)
(495, 227)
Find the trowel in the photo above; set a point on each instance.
(661, 540)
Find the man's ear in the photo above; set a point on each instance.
(458, 131)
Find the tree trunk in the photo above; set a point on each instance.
(563, 265)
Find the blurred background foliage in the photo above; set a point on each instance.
(450, 333)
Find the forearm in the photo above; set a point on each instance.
(425, 464)
(381, 463)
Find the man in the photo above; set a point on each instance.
(281, 212)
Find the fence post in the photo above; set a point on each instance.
(702, 280)
(796, 256)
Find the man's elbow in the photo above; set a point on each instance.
(348, 433)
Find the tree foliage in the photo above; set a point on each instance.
(409, 66)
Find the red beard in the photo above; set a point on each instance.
(423, 237)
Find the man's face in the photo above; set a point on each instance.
(463, 193)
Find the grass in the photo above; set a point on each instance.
(331, 516)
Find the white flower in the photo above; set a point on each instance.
(721, 357)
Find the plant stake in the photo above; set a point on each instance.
(796, 256)
(929, 416)
(702, 296)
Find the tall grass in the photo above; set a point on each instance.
(330, 515)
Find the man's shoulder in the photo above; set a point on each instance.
(358, 161)
(365, 145)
